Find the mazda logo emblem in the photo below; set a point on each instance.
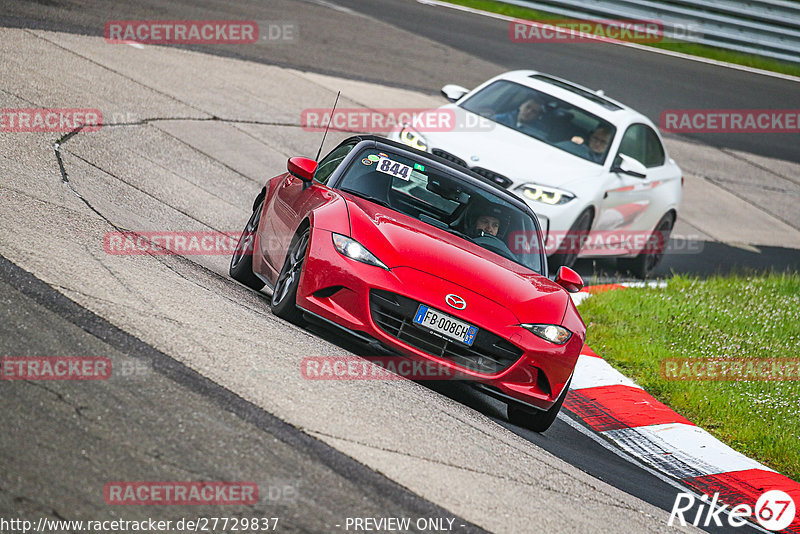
(454, 301)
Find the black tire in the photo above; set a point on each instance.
(533, 419)
(284, 296)
(578, 233)
(642, 265)
(241, 268)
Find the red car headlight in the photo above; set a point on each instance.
(347, 246)
(549, 332)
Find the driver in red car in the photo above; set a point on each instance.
(487, 224)
(487, 219)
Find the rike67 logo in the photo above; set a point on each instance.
(774, 510)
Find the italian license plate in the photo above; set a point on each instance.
(446, 325)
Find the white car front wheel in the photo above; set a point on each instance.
(573, 242)
(649, 258)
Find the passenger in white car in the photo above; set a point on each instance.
(593, 150)
(527, 118)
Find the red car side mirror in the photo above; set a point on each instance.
(569, 279)
(303, 168)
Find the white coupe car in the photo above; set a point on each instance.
(595, 171)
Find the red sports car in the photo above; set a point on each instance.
(426, 258)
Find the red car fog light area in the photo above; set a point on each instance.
(327, 292)
(541, 381)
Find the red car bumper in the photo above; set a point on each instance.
(506, 358)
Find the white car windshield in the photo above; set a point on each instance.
(545, 118)
(447, 202)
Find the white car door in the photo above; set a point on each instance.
(631, 206)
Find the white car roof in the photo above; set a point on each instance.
(620, 115)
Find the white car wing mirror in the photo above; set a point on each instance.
(628, 165)
(454, 92)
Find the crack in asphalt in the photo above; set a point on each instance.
(721, 181)
(150, 195)
(109, 69)
(9, 93)
(60, 398)
(739, 157)
(120, 281)
(128, 307)
(161, 259)
(212, 158)
(538, 483)
(734, 192)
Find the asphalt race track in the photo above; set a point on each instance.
(213, 390)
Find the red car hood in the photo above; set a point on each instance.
(402, 241)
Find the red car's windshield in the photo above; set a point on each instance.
(446, 202)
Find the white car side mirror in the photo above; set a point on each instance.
(454, 92)
(628, 165)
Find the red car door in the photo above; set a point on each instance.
(290, 204)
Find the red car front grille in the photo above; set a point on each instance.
(393, 314)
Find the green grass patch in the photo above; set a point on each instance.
(743, 316)
(709, 52)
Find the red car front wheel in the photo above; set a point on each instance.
(533, 419)
(284, 296)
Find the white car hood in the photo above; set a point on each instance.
(515, 155)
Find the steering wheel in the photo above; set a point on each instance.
(495, 244)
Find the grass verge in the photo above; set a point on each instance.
(709, 52)
(752, 317)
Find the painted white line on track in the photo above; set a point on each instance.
(622, 454)
(134, 44)
(577, 298)
(331, 5)
(591, 372)
(636, 46)
(646, 283)
(682, 450)
(638, 463)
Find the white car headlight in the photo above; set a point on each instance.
(347, 246)
(413, 139)
(550, 332)
(546, 195)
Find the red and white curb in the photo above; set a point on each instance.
(617, 408)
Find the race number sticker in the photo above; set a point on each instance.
(398, 170)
